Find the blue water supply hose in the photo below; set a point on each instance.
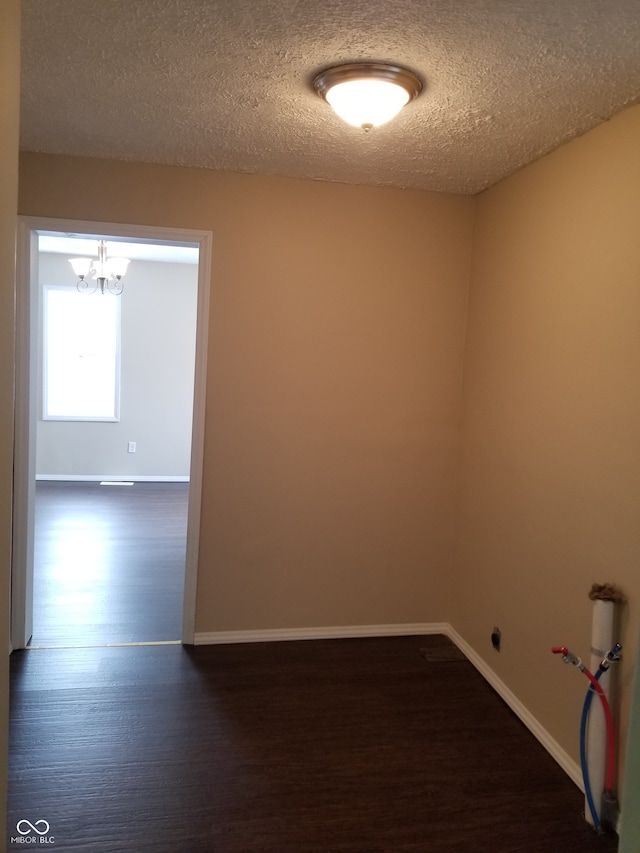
(583, 754)
(612, 656)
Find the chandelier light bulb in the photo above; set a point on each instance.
(81, 266)
(117, 266)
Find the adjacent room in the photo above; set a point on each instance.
(415, 419)
(112, 443)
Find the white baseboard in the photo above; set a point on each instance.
(96, 478)
(554, 749)
(269, 635)
(570, 767)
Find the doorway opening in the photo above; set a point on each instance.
(107, 509)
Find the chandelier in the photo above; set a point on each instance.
(107, 272)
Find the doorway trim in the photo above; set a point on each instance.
(26, 406)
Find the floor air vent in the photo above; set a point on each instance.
(442, 654)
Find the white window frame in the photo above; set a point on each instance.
(46, 289)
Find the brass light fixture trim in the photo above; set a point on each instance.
(362, 70)
(381, 72)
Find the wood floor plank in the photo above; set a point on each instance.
(292, 747)
(108, 563)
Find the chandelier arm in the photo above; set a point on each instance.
(115, 287)
(84, 286)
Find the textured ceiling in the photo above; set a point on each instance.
(225, 84)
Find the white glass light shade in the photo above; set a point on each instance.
(117, 266)
(367, 94)
(81, 266)
(367, 103)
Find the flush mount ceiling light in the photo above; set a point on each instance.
(367, 94)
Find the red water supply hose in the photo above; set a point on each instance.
(569, 657)
(609, 780)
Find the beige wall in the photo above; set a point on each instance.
(336, 345)
(549, 498)
(9, 111)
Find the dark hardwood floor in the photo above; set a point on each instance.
(292, 747)
(108, 563)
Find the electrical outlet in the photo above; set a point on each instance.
(496, 639)
(131, 447)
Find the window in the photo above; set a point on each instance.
(81, 370)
